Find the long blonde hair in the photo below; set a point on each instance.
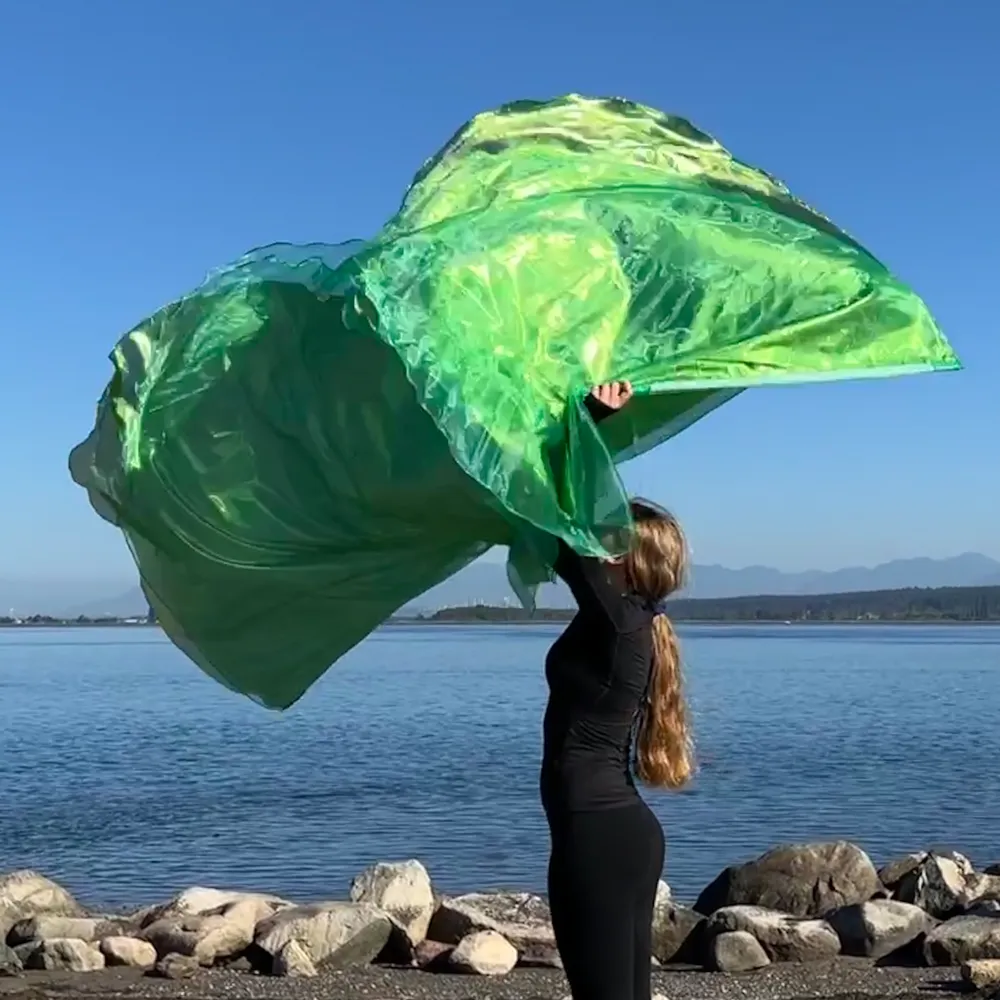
(656, 566)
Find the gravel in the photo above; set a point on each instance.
(843, 979)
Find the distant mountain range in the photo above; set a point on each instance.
(485, 582)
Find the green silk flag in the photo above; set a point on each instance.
(318, 434)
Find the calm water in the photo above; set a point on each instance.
(126, 774)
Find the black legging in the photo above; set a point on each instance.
(603, 873)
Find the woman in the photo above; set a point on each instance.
(614, 672)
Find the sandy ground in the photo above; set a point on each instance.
(844, 979)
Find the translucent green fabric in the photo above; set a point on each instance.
(317, 435)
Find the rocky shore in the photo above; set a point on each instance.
(813, 920)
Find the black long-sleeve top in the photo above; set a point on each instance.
(598, 674)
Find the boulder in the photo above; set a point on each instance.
(65, 954)
(894, 872)
(403, 890)
(943, 884)
(26, 894)
(10, 964)
(48, 926)
(333, 935)
(483, 953)
(677, 932)
(980, 973)
(175, 967)
(963, 939)
(783, 937)
(128, 951)
(430, 955)
(539, 955)
(806, 880)
(522, 918)
(214, 935)
(208, 939)
(200, 901)
(736, 951)
(879, 927)
(292, 962)
(992, 869)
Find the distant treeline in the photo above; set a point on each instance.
(50, 621)
(945, 604)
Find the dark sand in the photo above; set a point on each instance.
(844, 979)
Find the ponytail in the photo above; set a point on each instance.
(664, 755)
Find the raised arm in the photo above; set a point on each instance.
(589, 579)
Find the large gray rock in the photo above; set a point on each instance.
(483, 953)
(211, 927)
(736, 951)
(10, 963)
(432, 955)
(523, 919)
(403, 890)
(894, 872)
(783, 937)
(200, 901)
(128, 951)
(804, 880)
(963, 939)
(333, 935)
(25, 894)
(944, 885)
(677, 930)
(48, 926)
(878, 928)
(209, 939)
(65, 954)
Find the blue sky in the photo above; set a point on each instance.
(142, 144)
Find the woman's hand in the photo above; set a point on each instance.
(613, 395)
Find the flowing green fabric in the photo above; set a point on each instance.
(318, 434)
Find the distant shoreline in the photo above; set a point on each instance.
(912, 605)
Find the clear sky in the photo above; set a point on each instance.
(144, 143)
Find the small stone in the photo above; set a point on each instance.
(292, 962)
(878, 928)
(737, 951)
(403, 890)
(175, 967)
(66, 954)
(484, 953)
(10, 964)
(128, 951)
(963, 939)
(981, 972)
(783, 937)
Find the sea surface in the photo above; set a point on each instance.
(126, 774)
